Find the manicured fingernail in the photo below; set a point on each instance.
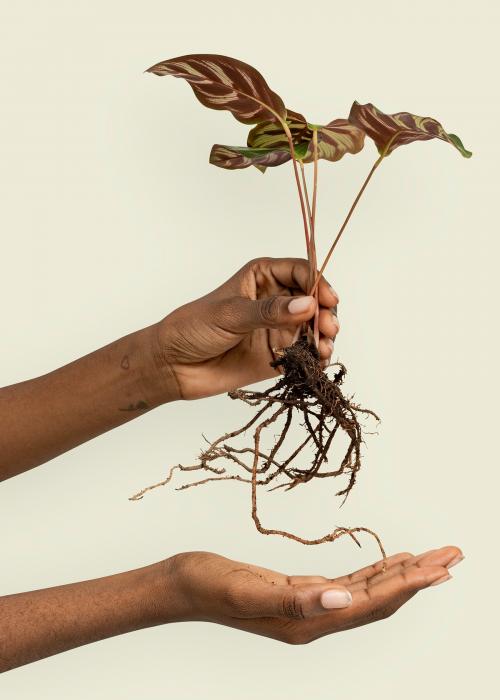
(330, 343)
(336, 323)
(444, 578)
(456, 560)
(300, 304)
(335, 598)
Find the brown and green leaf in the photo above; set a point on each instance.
(389, 131)
(221, 82)
(334, 140)
(270, 134)
(236, 157)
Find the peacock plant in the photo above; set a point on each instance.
(304, 391)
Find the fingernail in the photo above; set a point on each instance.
(444, 578)
(335, 598)
(300, 304)
(456, 560)
(336, 323)
(330, 343)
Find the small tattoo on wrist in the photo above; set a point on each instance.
(125, 363)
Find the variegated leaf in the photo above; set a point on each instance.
(389, 131)
(221, 82)
(236, 157)
(271, 134)
(335, 140)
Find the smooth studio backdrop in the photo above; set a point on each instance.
(111, 216)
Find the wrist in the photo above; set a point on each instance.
(159, 378)
(171, 597)
(181, 599)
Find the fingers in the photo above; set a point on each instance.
(294, 274)
(240, 315)
(328, 323)
(325, 349)
(293, 602)
(372, 569)
(243, 314)
(375, 603)
(403, 584)
(445, 557)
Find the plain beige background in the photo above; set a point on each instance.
(111, 216)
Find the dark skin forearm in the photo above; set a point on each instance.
(215, 344)
(207, 587)
(41, 623)
(44, 417)
(226, 339)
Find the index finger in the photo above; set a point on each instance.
(294, 274)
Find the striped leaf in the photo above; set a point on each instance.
(389, 131)
(236, 157)
(335, 140)
(220, 82)
(270, 134)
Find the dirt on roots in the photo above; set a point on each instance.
(306, 391)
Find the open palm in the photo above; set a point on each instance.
(299, 609)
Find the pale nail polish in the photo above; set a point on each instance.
(456, 560)
(444, 578)
(335, 598)
(300, 304)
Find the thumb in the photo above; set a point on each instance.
(241, 315)
(299, 602)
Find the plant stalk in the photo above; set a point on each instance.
(346, 221)
(312, 269)
(297, 180)
(314, 261)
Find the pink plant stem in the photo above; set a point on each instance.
(299, 189)
(302, 197)
(313, 236)
(312, 248)
(312, 257)
(346, 221)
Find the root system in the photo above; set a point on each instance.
(306, 391)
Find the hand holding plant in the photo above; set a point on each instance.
(304, 392)
(225, 340)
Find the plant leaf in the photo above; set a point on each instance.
(389, 131)
(270, 134)
(335, 140)
(221, 82)
(237, 157)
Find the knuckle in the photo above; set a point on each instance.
(255, 262)
(270, 309)
(293, 608)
